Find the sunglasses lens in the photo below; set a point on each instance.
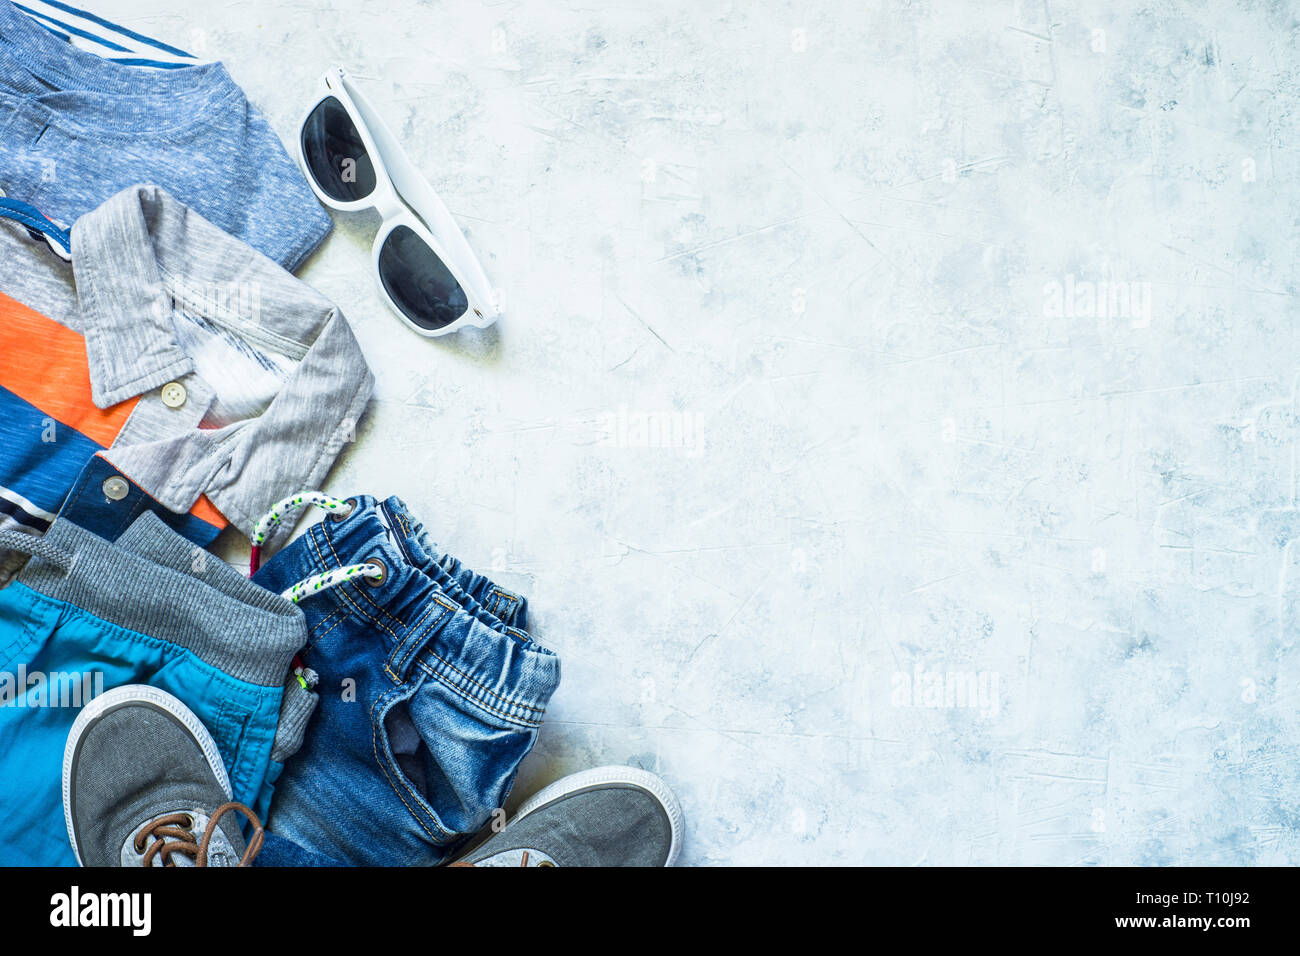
(336, 154)
(418, 281)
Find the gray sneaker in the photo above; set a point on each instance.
(144, 785)
(609, 816)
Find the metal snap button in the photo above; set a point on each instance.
(173, 394)
(115, 489)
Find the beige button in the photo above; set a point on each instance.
(173, 394)
(115, 489)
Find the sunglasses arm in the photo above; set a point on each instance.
(419, 195)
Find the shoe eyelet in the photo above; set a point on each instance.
(189, 821)
(343, 515)
(376, 582)
(545, 863)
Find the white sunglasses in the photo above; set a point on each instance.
(425, 267)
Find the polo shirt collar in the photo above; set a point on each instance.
(125, 310)
(128, 256)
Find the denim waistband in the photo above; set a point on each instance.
(460, 627)
(223, 618)
(185, 92)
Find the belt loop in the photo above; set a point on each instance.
(502, 604)
(403, 656)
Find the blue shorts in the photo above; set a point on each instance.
(87, 615)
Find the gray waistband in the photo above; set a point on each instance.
(215, 612)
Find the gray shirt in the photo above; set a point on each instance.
(246, 383)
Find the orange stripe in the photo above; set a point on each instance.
(45, 365)
(205, 510)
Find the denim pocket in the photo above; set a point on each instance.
(449, 762)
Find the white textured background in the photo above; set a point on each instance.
(825, 234)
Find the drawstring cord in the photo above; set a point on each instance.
(271, 520)
(37, 548)
(329, 579)
(317, 582)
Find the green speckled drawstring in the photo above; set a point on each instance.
(317, 582)
(328, 579)
(272, 519)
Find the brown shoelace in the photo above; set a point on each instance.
(179, 827)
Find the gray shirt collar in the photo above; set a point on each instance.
(130, 340)
(137, 257)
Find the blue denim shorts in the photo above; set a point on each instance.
(430, 694)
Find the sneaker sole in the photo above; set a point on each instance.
(603, 776)
(112, 700)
